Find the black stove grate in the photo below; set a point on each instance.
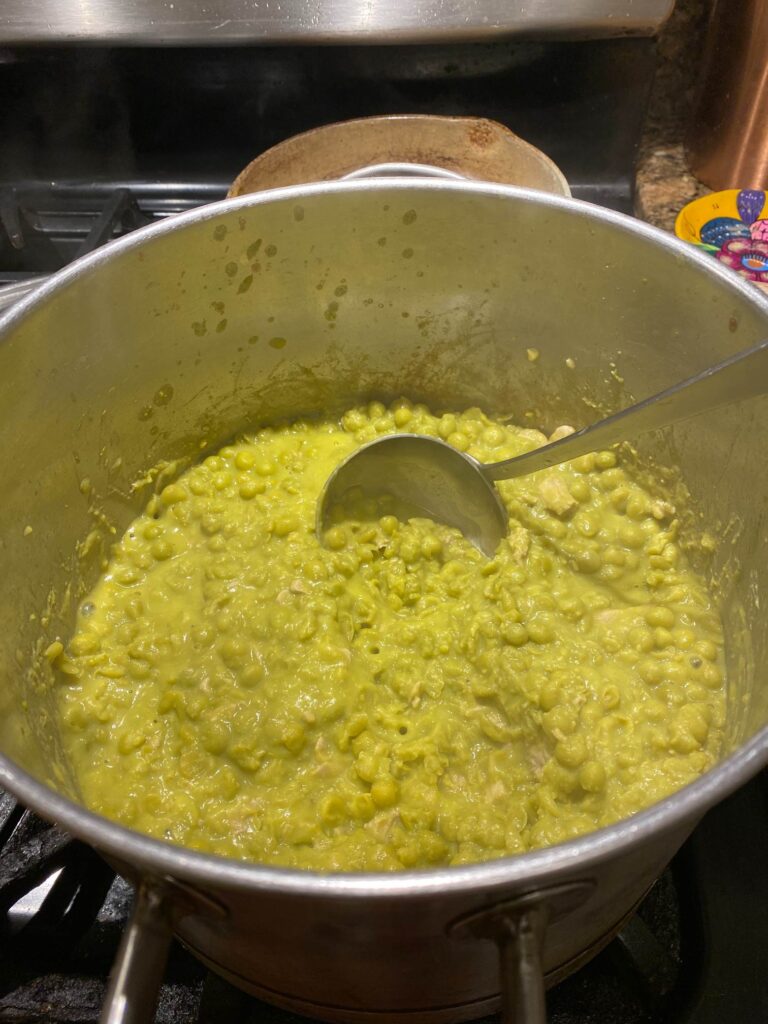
(44, 227)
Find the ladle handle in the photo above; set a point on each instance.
(742, 376)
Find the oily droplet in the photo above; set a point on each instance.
(163, 395)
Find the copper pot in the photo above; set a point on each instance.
(727, 142)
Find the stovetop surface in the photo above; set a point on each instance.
(97, 143)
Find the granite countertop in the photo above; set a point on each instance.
(664, 183)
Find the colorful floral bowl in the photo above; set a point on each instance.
(733, 226)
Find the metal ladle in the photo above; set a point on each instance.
(423, 476)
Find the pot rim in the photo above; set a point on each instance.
(675, 812)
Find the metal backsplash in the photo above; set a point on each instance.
(197, 22)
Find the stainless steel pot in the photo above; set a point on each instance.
(137, 352)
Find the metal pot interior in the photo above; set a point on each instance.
(306, 300)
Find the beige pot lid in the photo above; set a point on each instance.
(470, 147)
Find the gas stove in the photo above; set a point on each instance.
(99, 141)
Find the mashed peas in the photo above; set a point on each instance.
(391, 699)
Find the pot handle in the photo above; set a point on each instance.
(138, 971)
(518, 927)
(520, 969)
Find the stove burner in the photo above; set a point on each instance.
(693, 954)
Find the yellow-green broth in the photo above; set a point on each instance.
(392, 698)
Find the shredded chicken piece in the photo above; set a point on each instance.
(661, 509)
(453, 783)
(382, 826)
(554, 492)
(519, 541)
(496, 792)
(607, 616)
(560, 432)
(536, 436)
(538, 757)
(414, 697)
(322, 748)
